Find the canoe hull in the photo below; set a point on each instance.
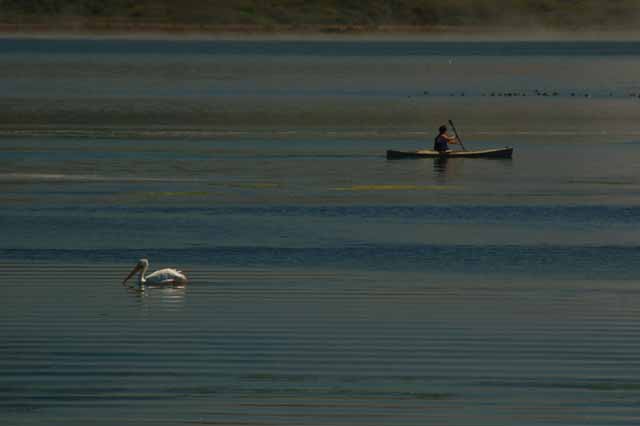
(486, 153)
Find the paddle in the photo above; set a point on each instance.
(457, 136)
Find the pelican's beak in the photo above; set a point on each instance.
(133, 271)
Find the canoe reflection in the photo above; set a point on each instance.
(441, 168)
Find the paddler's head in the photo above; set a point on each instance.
(442, 129)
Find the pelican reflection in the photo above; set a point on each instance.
(162, 296)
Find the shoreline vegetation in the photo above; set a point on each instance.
(520, 19)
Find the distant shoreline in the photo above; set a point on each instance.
(124, 30)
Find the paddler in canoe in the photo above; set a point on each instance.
(441, 149)
(442, 141)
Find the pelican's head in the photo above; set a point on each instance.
(141, 265)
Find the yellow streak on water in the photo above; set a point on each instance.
(251, 185)
(254, 185)
(174, 194)
(395, 188)
(603, 182)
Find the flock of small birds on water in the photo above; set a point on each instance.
(542, 93)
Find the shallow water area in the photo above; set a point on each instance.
(328, 285)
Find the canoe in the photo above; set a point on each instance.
(485, 153)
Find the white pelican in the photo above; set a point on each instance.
(167, 276)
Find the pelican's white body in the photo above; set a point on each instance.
(167, 276)
(163, 276)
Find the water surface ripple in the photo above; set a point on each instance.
(328, 285)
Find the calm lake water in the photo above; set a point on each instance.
(329, 286)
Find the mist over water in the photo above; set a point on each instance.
(328, 285)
